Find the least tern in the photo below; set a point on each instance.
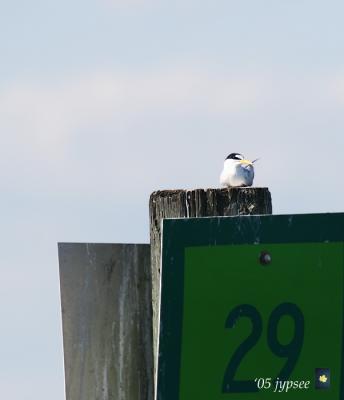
(237, 171)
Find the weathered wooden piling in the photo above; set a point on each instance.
(196, 203)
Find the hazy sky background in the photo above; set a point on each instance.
(104, 101)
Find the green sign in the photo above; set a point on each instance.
(252, 308)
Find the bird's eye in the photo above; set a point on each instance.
(235, 156)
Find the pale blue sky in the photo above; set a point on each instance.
(104, 101)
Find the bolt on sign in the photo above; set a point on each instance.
(252, 308)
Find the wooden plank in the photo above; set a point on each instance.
(107, 321)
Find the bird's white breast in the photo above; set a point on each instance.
(236, 174)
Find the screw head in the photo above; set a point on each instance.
(265, 258)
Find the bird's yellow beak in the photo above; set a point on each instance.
(246, 162)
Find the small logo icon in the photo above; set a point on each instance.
(322, 378)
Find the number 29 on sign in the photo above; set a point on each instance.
(290, 351)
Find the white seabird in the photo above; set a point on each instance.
(237, 171)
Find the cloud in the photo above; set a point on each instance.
(98, 128)
(337, 89)
(43, 117)
(129, 4)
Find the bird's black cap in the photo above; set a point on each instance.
(235, 156)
